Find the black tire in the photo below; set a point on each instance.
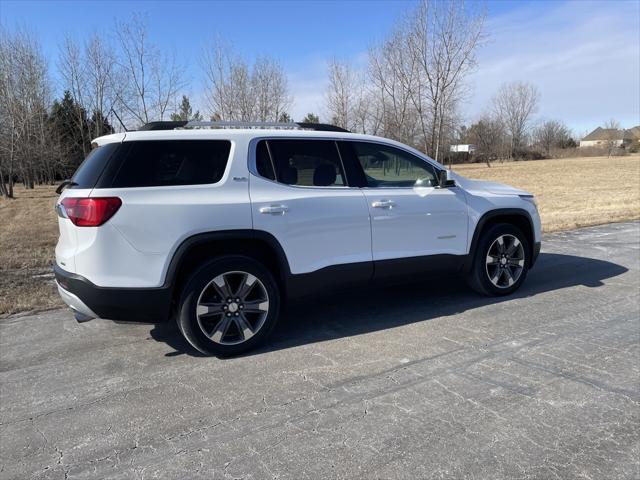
(201, 285)
(480, 279)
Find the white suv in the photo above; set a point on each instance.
(216, 224)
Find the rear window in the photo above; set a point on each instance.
(91, 168)
(154, 163)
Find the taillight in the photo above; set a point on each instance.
(90, 212)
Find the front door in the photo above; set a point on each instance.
(410, 215)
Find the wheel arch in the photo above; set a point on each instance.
(195, 250)
(513, 216)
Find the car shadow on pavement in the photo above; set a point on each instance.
(377, 308)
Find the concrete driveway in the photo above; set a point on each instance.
(424, 381)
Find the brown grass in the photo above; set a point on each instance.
(571, 193)
(28, 234)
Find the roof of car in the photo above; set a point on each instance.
(231, 134)
(245, 134)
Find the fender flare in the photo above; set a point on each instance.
(499, 212)
(223, 235)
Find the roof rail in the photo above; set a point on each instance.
(165, 125)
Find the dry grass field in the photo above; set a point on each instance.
(571, 193)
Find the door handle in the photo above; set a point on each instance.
(383, 204)
(274, 210)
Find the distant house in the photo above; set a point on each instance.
(602, 137)
(466, 148)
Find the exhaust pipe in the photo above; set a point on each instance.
(81, 317)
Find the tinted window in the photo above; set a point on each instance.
(307, 162)
(172, 162)
(386, 166)
(89, 171)
(263, 161)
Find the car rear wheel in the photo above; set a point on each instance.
(229, 306)
(501, 261)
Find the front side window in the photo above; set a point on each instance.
(152, 163)
(386, 166)
(309, 163)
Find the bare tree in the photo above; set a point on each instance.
(237, 91)
(393, 77)
(488, 135)
(514, 104)
(552, 134)
(26, 142)
(613, 134)
(73, 69)
(103, 82)
(341, 94)
(443, 37)
(270, 89)
(152, 78)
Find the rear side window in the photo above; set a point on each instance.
(309, 163)
(263, 161)
(155, 163)
(91, 168)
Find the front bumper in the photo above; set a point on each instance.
(125, 304)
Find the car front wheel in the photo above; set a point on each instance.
(501, 261)
(229, 306)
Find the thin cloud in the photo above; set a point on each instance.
(583, 56)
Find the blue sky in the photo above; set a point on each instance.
(584, 56)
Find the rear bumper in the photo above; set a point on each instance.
(125, 304)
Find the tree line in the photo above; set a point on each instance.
(411, 90)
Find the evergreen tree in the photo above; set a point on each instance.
(73, 128)
(311, 118)
(285, 118)
(185, 112)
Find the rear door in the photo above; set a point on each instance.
(410, 216)
(300, 194)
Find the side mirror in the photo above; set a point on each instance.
(443, 180)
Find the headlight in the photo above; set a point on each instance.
(530, 199)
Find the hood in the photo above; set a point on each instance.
(490, 187)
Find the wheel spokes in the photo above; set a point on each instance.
(244, 327)
(246, 285)
(232, 308)
(209, 308)
(222, 287)
(221, 329)
(256, 306)
(493, 259)
(505, 261)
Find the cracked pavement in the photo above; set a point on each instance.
(425, 380)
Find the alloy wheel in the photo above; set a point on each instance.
(232, 307)
(505, 261)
